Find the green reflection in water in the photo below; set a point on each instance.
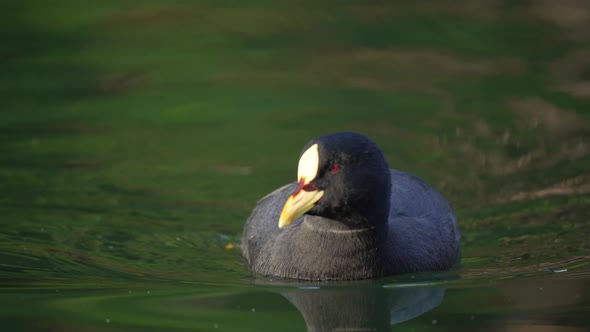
(136, 138)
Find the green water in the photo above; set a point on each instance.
(135, 138)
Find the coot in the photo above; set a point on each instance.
(349, 216)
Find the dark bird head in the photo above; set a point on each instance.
(344, 177)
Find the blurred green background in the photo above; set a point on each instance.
(136, 137)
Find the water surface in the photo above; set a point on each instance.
(136, 138)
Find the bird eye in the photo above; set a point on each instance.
(334, 168)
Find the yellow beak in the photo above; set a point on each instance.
(301, 201)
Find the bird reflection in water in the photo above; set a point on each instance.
(365, 308)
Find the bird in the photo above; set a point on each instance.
(348, 216)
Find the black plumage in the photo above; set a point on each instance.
(370, 222)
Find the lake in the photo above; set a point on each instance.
(135, 139)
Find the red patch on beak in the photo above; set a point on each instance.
(301, 185)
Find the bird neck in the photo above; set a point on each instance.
(329, 226)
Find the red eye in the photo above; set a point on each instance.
(335, 168)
